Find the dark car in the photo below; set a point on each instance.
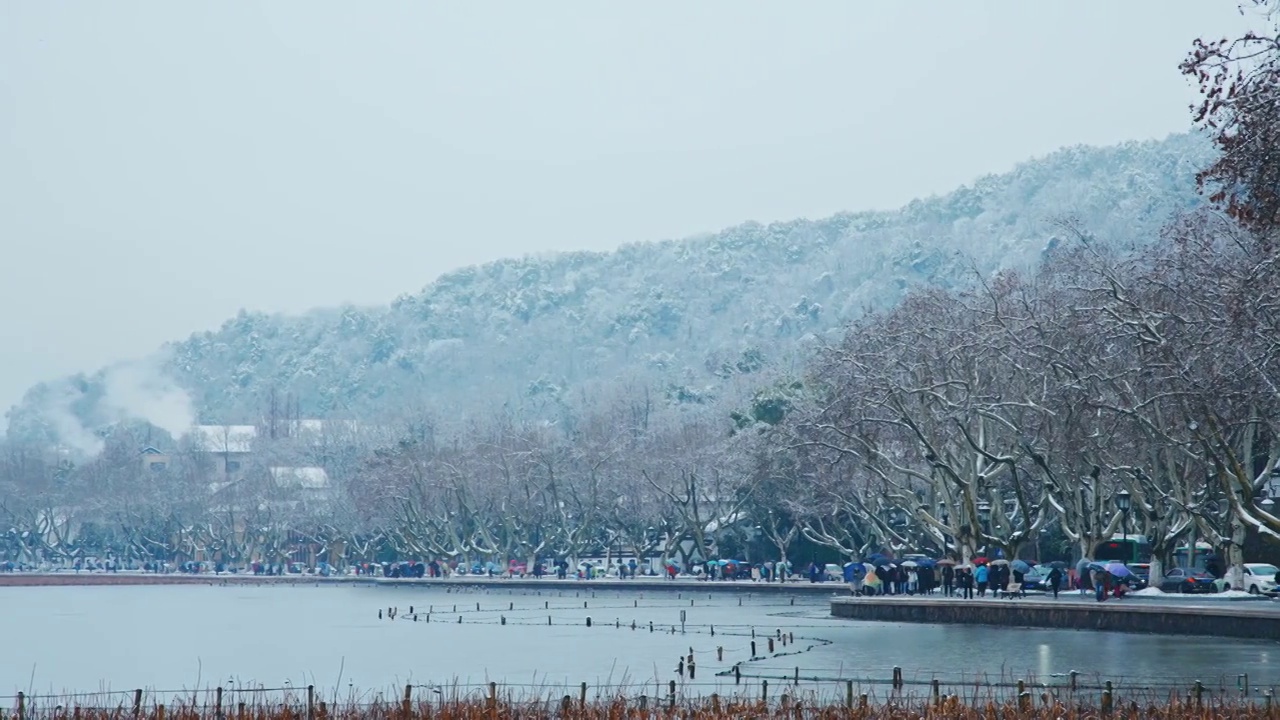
(1140, 576)
(1038, 579)
(1182, 580)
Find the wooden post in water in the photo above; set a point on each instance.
(311, 702)
(1106, 698)
(764, 692)
(671, 702)
(737, 674)
(160, 712)
(937, 696)
(582, 696)
(217, 703)
(493, 699)
(848, 694)
(407, 703)
(240, 711)
(22, 705)
(1199, 693)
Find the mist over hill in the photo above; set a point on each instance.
(692, 321)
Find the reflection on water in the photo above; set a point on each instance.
(175, 637)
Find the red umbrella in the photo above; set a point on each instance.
(980, 561)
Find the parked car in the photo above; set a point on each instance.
(1260, 578)
(1038, 579)
(1184, 580)
(1140, 575)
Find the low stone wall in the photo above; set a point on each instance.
(32, 579)
(1244, 620)
(642, 584)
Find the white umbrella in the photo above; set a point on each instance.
(909, 564)
(1001, 561)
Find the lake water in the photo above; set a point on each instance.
(169, 638)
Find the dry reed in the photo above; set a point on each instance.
(489, 704)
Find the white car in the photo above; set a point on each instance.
(1260, 578)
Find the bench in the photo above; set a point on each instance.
(1012, 590)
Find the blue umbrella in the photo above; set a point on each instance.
(1020, 566)
(1118, 569)
(927, 562)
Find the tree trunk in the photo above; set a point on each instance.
(1235, 555)
(1157, 571)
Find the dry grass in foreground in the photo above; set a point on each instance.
(480, 707)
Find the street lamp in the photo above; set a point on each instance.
(1124, 501)
(945, 519)
(984, 515)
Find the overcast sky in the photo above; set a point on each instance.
(163, 165)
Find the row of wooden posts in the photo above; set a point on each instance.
(318, 710)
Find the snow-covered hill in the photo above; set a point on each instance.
(689, 320)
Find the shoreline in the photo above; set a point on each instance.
(1255, 621)
(84, 579)
(72, 579)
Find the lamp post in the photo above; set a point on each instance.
(945, 518)
(984, 517)
(1035, 513)
(1124, 501)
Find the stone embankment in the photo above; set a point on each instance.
(1253, 620)
(38, 579)
(34, 579)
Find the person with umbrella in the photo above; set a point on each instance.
(964, 574)
(1020, 569)
(1099, 581)
(1055, 579)
(1119, 571)
(948, 578)
(982, 574)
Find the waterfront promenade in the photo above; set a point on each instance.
(30, 579)
(1172, 615)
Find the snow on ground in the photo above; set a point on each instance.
(1151, 592)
